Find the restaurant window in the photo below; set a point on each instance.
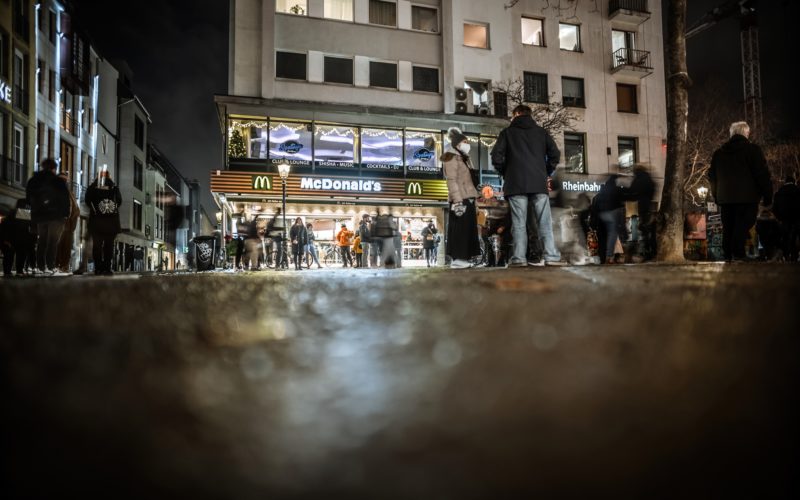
(381, 149)
(424, 18)
(290, 142)
(138, 174)
(533, 31)
(338, 9)
(290, 65)
(426, 79)
(627, 152)
(626, 98)
(137, 215)
(339, 70)
(422, 150)
(572, 92)
(575, 152)
(485, 158)
(334, 146)
(535, 87)
(476, 35)
(248, 139)
(296, 7)
(569, 37)
(383, 13)
(382, 74)
(138, 132)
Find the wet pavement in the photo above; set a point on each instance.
(624, 381)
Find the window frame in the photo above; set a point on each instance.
(352, 13)
(635, 88)
(325, 57)
(580, 41)
(582, 104)
(438, 78)
(525, 87)
(138, 174)
(296, 52)
(369, 20)
(488, 34)
(138, 138)
(429, 7)
(137, 212)
(304, 14)
(583, 138)
(396, 74)
(533, 18)
(635, 141)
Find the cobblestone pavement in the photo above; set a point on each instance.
(626, 381)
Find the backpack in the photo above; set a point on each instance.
(384, 226)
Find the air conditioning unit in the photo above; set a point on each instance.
(464, 101)
(483, 109)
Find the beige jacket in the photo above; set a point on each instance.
(459, 180)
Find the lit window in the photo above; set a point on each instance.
(422, 151)
(532, 31)
(569, 37)
(338, 9)
(424, 19)
(334, 146)
(382, 149)
(575, 152)
(297, 7)
(626, 148)
(476, 35)
(572, 92)
(290, 142)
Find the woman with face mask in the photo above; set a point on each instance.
(462, 230)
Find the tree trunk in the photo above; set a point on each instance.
(670, 216)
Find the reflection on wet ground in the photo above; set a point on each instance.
(644, 381)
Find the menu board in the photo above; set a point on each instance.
(382, 149)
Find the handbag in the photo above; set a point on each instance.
(24, 214)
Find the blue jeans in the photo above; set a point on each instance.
(365, 254)
(519, 230)
(611, 221)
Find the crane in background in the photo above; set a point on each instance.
(745, 12)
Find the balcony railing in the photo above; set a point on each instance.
(20, 99)
(631, 5)
(631, 58)
(71, 126)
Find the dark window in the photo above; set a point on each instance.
(21, 18)
(40, 133)
(536, 87)
(500, 104)
(339, 70)
(575, 152)
(138, 132)
(137, 215)
(426, 79)
(384, 13)
(3, 56)
(51, 86)
(626, 98)
(51, 138)
(42, 74)
(382, 74)
(572, 92)
(290, 65)
(51, 24)
(627, 152)
(138, 174)
(424, 18)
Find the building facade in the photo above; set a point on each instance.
(358, 93)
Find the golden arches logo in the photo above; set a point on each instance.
(414, 188)
(262, 182)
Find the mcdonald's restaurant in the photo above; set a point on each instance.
(343, 164)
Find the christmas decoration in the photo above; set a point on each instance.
(236, 147)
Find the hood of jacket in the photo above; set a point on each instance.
(735, 144)
(523, 121)
(108, 183)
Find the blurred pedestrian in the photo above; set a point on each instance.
(104, 200)
(786, 207)
(311, 247)
(48, 198)
(462, 230)
(64, 254)
(526, 156)
(16, 239)
(768, 230)
(366, 241)
(299, 238)
(642, 190)
(739, 179)
(610, 209)
(343, 238)
(357, 249)
(429, 235)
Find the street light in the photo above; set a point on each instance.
(283, 171)
(702, 191)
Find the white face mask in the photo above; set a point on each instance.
(464, 147)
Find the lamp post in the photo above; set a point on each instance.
(283, 171)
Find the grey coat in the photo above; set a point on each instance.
(459, 179)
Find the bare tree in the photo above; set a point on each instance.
(783, 159)
(553, 116)
(670, 215)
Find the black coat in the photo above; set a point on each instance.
(786, 203)
(429, 243)
(104, 203)
(641, 190)
(739, 173)
(298, 235)
(48, 196)
(525, 155)
(609, 197)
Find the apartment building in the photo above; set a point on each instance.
(364, 90)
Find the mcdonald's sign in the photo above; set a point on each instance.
(414, 188)
(262, 182)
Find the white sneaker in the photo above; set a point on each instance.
(460, 264)
(61, 273)
(536, 263)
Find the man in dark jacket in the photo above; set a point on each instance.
(298, 235)
(16, 239)
(786, 207)
(366, 240)
(104, 200)
(526, 156)
(642, 190)
(48, 197)
(739, 179)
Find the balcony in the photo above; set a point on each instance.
(628, 13)
(631, 63)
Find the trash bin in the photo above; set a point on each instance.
(205, 248)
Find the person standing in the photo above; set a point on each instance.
(48, 198)
(610, 209)
(299, 238)
(786, 207)
(104, 200)
(526, 156)
(739, 179)
(16, 239)
(462, 230)
(311, 247)
(366, 240)
(429, 235)
(357, 250)
(642, 190)
(64, 253)
(343, 238)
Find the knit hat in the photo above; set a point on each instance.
(455, 136)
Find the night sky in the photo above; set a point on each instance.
(178, 51)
